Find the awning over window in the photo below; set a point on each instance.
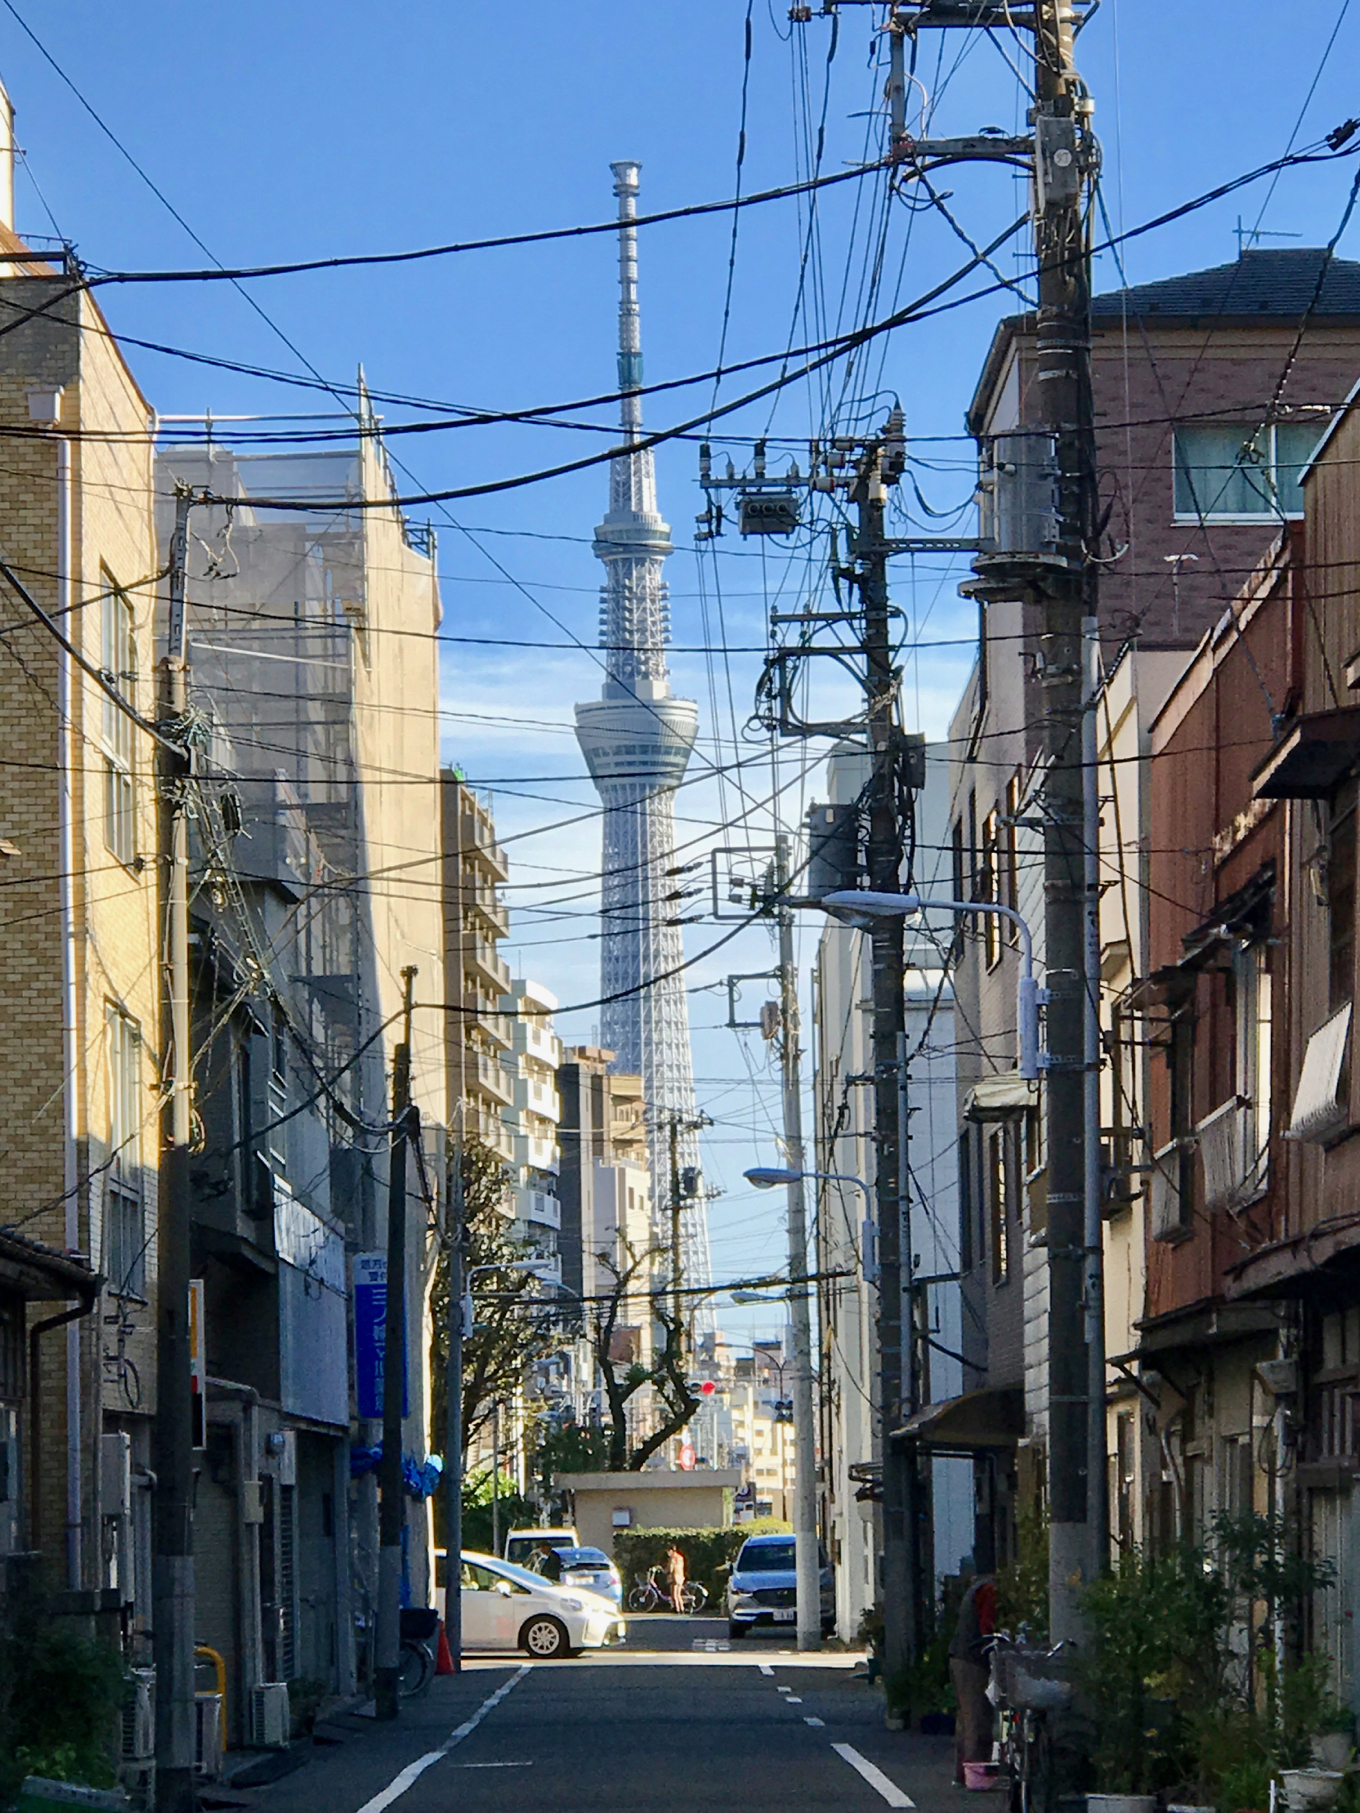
(999, 1098)
(990, 1418)
(1319, 1111)
(1313, 757)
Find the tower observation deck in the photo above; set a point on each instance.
(636, 739)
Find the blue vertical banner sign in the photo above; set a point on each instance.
(370, 1334)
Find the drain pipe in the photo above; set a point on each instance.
(67, 1319)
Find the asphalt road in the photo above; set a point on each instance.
(677, 1719)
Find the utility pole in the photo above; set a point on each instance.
(392, 1512)
(453, 1422)
(173, 1567)
(677, 1211)
(806, 1561)
(903, 1595)
(1065, 586)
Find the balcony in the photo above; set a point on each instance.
(490, 1076)
(539, 1041)
(535, 1153)
(487, 1017)
(538, 1209)
(476, 841)
(480, 899)
(485, 1124)
(537, 1095)
(481, 960)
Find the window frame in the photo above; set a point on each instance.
(118, 664)
(989, 886)
(1270, 466)
(125, 1232)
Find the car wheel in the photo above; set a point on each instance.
(544, 1638)
(735, 1630)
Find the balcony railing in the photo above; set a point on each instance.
(480, 954)
(492, 1075)
(537, 1097)
(538, 1207)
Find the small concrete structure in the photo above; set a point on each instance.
(658, 1498)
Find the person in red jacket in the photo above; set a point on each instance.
(970, 1670)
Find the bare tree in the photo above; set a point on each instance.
(622, 1371)
(513, 1326)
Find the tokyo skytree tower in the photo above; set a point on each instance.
(636, 739)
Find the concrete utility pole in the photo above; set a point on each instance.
(1065, 586)
(453, 1420)
(806, 1561)
(392, 1511)
(172, 1578)
(903, 1594)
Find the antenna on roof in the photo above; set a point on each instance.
(1248, 236)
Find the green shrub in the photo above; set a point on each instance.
(65, 1692)
(709, 1553)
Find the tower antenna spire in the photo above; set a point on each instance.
(637, 738)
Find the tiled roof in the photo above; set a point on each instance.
(1271, 281)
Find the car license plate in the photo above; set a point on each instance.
(785, 1617)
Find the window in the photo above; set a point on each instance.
(1001, 1194)
(1341, 855)
(119, 659)
(989, 888)
(1010, 856)
(966, 1211)
(124, 1215)
(1239, 472)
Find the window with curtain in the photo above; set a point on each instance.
(1241, 472)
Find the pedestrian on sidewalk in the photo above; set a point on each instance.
(970, 1671)
(675, 1578)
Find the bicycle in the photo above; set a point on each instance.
(648, 1595)
(1029, 1687)
(416, 1661)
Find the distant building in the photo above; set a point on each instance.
(481, 1071)
(532, 1120)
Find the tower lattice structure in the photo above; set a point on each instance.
(636, 739)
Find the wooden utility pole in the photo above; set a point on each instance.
(392, 1511)
(1065, 589)
(172, 1582)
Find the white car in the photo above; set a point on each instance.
(507, 1607)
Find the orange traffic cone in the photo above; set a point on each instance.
(443, 1656)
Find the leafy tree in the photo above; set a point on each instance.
(511, 1329)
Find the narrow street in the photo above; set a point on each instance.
(676, 1720)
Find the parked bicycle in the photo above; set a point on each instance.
(649, 1594)
(1029, 1690)
(416, 1663)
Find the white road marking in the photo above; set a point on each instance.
(765, 1669)
(528, 1765)
(413, 1771)
(807, 1720)
(875, 1777)
(793, 1700)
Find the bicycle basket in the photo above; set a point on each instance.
(418, 1623)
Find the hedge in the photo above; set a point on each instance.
(707, 1552)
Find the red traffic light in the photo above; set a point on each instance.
(707, 1388)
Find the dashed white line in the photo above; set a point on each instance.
(783, 1689)
(765, 1669)
(413, 1771)
(809, 1720)
(793, 1700)
(874, 1776)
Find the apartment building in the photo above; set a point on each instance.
(536, 1053)
(481, 1069)
(80, 1068)
(1205, 412)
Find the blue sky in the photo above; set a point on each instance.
(289, 131)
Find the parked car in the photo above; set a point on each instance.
(763, 1586)
(521, 1544)
(507, 1607)
(590, 1568)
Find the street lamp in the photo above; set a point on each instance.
(766, 1177)
(870, 905)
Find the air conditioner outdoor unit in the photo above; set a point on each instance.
(270, 1720)
(209, 1738)
(138, 1738)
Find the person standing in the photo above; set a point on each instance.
(675, 1578)
(970, 1670)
